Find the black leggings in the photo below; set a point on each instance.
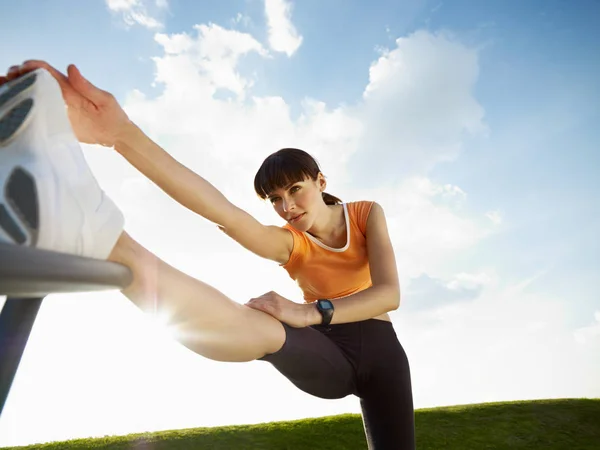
(361, 358)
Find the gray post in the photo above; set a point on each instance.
(16, 322)
(27, 276)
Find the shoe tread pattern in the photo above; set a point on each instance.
(22, 196)
(16, 87)
(10, 227)
(13, 119)
(20, 191)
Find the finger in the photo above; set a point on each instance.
(12, 72)
(253, 305)
(68, 92)
(256, 303)
(265, 306)
(3, 80)
(17, 71)
(34, 64)
(84, 87)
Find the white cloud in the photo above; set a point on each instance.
(141, 18)
(428, 293)
(428, 228)
(136, 12)
(121, 5)
(469, 281)
(241, 18)
(509, 343)
(495, 217)
(283, 36)
(419, 105)
(196, 69)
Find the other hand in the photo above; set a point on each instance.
(294, 314)
(95, 115)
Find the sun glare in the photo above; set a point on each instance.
(162, 325)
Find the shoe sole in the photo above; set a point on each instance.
(47, 149)
(17, 86)
(19, 199)
(19, 191)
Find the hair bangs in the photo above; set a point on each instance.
(279, 171)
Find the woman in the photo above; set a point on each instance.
(340, 341)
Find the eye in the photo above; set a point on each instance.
(273, 199)
(295, 189)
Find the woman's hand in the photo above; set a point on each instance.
(95, 115)
(294, 314)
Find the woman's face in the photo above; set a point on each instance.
(298, 203)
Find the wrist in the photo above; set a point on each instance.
(125, 137)
(313, 316)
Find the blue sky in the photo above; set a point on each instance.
(487, 166)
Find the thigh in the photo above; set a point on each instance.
(385, 390)
(314, 363)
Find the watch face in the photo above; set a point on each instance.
(325, 305)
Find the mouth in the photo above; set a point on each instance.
(296, 218)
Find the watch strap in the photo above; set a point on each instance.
(327, 312)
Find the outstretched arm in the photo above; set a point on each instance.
(200, 196)
(97, 118)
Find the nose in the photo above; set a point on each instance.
(288, 205)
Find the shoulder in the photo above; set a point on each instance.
(292, 230)
(376, 226)
(359, 203)
(360, 206)
(376, 213)
(300, 244)
(360, 211)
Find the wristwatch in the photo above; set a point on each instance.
(325, 307)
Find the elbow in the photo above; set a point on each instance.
(394, 299)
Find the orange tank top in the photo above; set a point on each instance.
(325, 272)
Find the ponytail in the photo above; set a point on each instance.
(331, 199)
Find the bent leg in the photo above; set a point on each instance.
(314, 363)
(385, 390)
(207, 321)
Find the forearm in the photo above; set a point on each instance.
(182, 184)
(363, 305)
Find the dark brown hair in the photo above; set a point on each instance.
(285, 167)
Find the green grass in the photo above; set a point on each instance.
(570, 424)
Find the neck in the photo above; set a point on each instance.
(327, 224)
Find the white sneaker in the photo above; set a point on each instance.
(49, 198)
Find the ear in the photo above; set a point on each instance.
(321, 182)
